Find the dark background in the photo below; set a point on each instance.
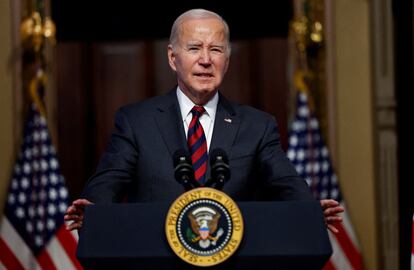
(123, 20)
(404, 84)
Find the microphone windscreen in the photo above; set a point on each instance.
(180, 153)
(218, 152)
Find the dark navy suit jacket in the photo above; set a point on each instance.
(138, 160)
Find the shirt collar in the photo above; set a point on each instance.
(186, 104)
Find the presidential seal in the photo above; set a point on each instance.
(204, 227)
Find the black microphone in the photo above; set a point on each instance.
(183, 169)
(220, 169)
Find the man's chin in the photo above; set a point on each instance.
(205, 88)
(209, 92)
(204, 94)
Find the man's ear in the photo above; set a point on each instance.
(171, 57)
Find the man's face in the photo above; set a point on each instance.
(200, 58)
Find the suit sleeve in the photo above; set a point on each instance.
(281, 180)
(117, 166)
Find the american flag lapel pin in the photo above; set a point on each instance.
(228, 120)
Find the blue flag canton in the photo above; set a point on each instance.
(38, 197)
(309, 154)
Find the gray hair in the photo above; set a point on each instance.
(197, 14)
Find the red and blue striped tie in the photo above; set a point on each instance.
(198, 145)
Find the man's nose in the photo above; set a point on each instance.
(205, 58)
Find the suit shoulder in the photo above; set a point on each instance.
(251, 113)
(144, 108)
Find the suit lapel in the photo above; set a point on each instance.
(170, 124)
(226, 126)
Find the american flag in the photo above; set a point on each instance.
(32, 230)
(310, 156)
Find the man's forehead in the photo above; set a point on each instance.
(203, 24)
(202, 33)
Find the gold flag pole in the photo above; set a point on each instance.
(35, 30)
(307, 33)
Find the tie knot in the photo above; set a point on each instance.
(197, 111)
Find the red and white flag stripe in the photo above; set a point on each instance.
(60, 252)
(346, 254)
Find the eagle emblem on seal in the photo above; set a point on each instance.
(204, 227)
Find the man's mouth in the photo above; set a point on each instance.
(204, 75)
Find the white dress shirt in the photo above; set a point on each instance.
(206, 120)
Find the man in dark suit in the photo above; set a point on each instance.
(138, 164)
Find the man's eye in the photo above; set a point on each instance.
(193, 49)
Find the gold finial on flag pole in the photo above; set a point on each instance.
(35, 30)
(307, 35)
